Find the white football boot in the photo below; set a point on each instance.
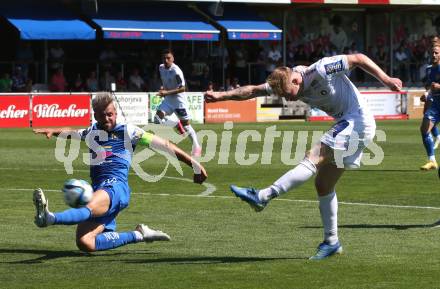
(42, 208)
(151, 235)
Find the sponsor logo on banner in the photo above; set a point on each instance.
(236, 111)
(61, 110)
(14, 110)
(132, 107)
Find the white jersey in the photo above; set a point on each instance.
(327, 87)
(172, 78)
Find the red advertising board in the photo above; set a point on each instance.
(14, 110)
(236, 111)
(60, 110)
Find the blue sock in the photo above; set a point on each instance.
(434, 131)
(428, 143)
(111, 240)
(73, 216)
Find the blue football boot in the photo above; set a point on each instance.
(250, 196)
(325, 250)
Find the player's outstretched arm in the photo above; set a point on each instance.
(55, 131)
(372, 68)
(241, 93)
(157, 142)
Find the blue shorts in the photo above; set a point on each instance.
(433, 113)
(119, 193)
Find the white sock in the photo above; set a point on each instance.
(432, 158)
(290, 180)
(328, 206)
(138, 235)
(192, 134)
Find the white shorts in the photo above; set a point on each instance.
(349, 137)
(169, 107)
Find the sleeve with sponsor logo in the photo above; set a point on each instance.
(135, 133)
(335, 65)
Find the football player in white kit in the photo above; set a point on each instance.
(173, 90)
(323, 85)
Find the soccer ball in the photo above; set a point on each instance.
(77, 193)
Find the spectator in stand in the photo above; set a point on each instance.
(58, 82)
(273, 58)
(78, 84)
(56, 56)
(337, 35)
(92, 83)
(106, 80)
(5, 83)
(121, 84)
(19, 80)
(135, 81)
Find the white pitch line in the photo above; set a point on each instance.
(210, 188)
(278, 200)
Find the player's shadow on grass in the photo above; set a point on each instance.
(386, 170)
(47, 255)
(387, 226)
(212, 260)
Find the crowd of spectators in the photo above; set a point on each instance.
(204, 67)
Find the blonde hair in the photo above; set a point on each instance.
(101, 101)
(279, 80)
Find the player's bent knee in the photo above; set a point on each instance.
(86, 244)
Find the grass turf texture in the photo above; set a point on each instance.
(219, 242)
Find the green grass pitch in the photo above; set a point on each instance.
(386, 219)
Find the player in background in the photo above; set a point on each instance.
(173, 91)
(110, 163)
(323, 85)
(426, 98)
(432, 115)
